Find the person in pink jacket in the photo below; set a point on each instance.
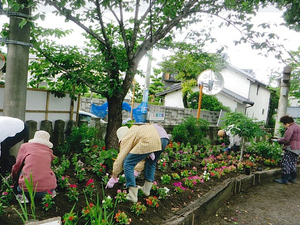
(34, 158)
(291, 147)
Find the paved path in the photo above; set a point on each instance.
(270, 203)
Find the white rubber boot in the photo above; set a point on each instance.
(132, 195)
(147, 188)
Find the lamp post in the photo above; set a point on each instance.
(283, 99)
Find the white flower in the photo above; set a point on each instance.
(167, 190)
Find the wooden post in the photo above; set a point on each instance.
(200, 100)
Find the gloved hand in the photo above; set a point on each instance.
(226, 149)
(274, 140)
(152, 156)
(136, 173)
(112, 181)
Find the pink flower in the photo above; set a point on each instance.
(90, 181)
(46, 205)
(5, 193)
(73, 186)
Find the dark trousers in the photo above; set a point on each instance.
(5, 162)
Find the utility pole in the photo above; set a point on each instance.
(283, 99)
(17, 63)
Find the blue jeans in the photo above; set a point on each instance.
(132, 159)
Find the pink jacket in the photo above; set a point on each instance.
(37, 160)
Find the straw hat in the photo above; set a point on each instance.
(41, 137)
(121, 132)
(221, 133)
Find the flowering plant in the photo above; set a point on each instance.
(7, 195)
(122, 218)
(87, 211)
(63, 181)
(152, 201)
(191, 181)
(89, 188)
(162, 165)
(163, 192)
(72, 192)
(179, 188)
(70, 218)
(99, 169)
(122, 179)
(185, 173)
(206, 176)
(154, 186)
(166, 179)
(105, 178)
(48, 201)
(107, 202)
(80, 173)
(248, 164)
(121, 196)
(138, 208)
(175, 176)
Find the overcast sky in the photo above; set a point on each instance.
(241, 56)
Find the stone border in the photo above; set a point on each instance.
(208, 204)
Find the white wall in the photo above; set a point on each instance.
(236, 82)
(174, 99)
(38, 108)
(261, 97)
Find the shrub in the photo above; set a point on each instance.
(79, 139)
(191, 130)
(266, 150)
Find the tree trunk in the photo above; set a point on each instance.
(114, 122)
(17, 67)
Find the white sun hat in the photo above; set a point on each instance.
(121, 132)
(41, 137)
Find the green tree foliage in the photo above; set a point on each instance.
(273, 105)
(294, 61)
(119, 34)
(188, 62)
(245, 127)
(209, 102)
(191, 130)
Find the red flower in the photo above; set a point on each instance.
(90, 182)
(46, 205)
(103, 147)
(71, 218)
(73, 186)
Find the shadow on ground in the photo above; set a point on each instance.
(268, 203)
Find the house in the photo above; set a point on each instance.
(241, 93)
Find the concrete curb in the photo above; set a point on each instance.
(207, 205)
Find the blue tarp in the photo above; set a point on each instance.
(139, 113)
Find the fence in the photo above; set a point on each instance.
(157, 113)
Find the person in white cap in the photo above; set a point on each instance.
(145, 142)
(234, 139)
(12, 131)
(34, 158)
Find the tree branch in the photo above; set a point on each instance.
(63, 12)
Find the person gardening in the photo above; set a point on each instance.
(145, 142)
(12, 131)
(234, 139)
(291, 147)
(34, 160)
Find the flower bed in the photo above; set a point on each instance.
(184, 173)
